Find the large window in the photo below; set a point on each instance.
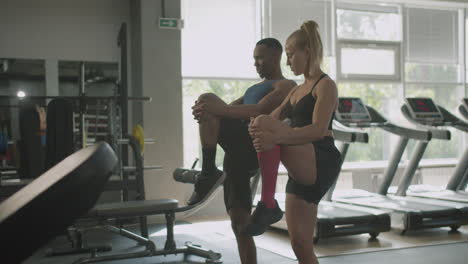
(360, 60)
(218, 38)
(281, 18)
(378, 52)
(368, 46)
(432, 35)
(431, 72)
(432, 54)
(432, 67)
(217, 52)
(368, 67)
(368, 22)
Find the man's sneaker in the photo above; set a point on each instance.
(185, 175)
(205, 185)
(262, 218)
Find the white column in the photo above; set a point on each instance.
(157, 62)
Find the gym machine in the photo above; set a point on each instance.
(405, 213)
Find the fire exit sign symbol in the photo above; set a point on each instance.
(171, 23)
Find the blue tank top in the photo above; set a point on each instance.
(256, 92)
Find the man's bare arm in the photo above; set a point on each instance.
(265, 106)
(238, 101)
(279, 110)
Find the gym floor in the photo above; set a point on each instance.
(277, 241)
(425, 246)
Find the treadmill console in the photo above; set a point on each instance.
(352, 110)
(424, 110)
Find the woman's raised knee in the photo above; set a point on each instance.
(261, 120)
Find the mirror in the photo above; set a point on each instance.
(100, 78)
(36, 77)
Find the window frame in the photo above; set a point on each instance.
(395, 46)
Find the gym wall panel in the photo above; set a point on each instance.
(62, 29)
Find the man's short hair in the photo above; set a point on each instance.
(271, 43)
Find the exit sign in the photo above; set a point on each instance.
(171, 23)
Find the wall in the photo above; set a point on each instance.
(54, 30)
(87, 30)
(61, 29)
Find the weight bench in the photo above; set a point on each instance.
(130, 209)
(52, 202)
(142, 208)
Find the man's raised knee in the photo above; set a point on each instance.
(207, 96)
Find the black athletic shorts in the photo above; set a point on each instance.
(240, 162)
(328, 162)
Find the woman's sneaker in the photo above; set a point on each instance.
(262, 218)
(205, 185)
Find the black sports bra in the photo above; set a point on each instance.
(301, 113)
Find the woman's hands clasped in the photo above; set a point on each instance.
(262, 140)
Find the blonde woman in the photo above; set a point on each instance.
(299, 133)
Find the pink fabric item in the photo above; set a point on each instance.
(269, 162)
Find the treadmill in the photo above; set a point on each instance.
(406, 215)
(335, 219)
(427, 115)
(463, 109)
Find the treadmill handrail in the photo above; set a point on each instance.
(346, 134)
(455, 121)
(411, 133)
(343, 136)
(437, 133)
(463, 110)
